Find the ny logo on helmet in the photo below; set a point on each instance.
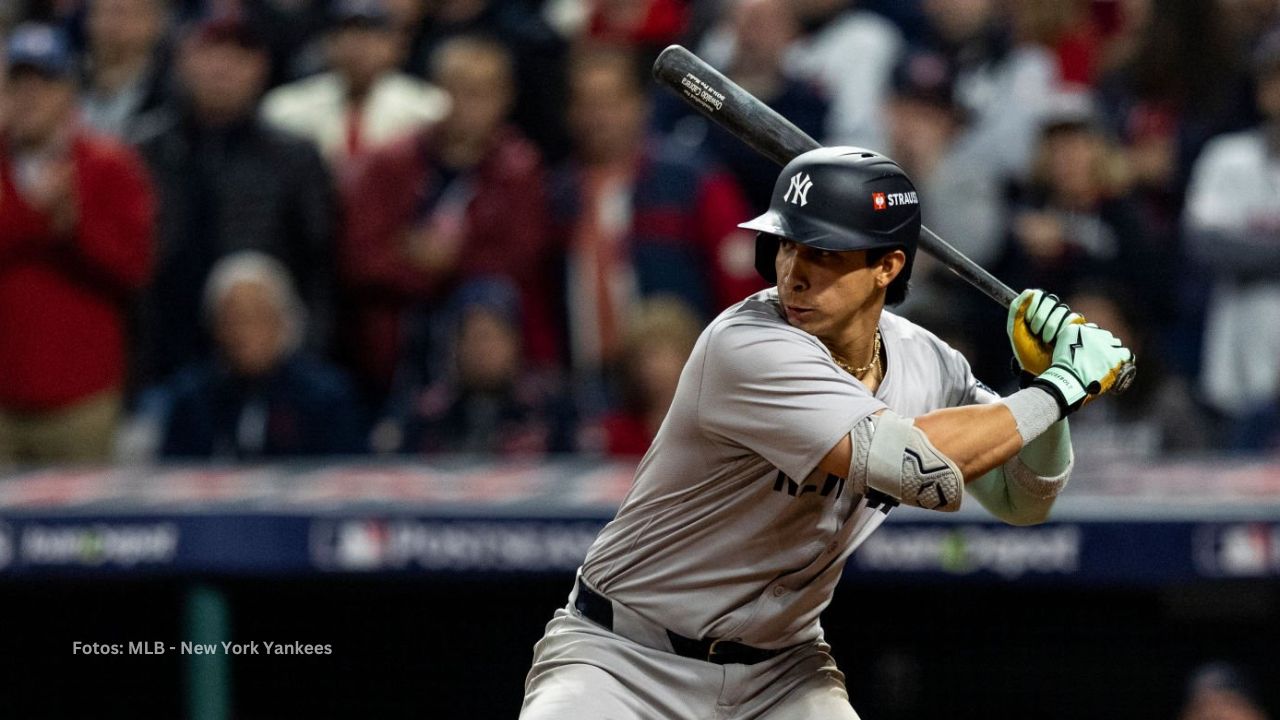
(798, 192)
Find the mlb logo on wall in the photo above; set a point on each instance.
(878, 201)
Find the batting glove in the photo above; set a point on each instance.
(1087, 362)
(1035, 319)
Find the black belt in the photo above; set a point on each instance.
(599, 610)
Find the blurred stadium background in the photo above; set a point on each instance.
(344, 323)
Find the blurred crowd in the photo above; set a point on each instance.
(245, 229)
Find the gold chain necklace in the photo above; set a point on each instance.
(875, 359)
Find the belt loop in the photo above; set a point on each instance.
(711, 649)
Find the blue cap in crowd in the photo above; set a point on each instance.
(495, 295)
(42, 48)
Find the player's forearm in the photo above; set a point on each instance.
(922, 461)
(1023, 490)
(980, 438)
(977, 438)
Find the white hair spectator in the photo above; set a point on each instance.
(252, 266)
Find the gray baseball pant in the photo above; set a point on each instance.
(582, 671)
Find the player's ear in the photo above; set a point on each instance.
(888, 267)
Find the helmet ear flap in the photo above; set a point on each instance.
(766, 256)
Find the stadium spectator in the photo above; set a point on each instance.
(639, 217)
(462, 200)
(261, 396)
(227, 182)
(658, 342)
(363, 101)
(1177, 76)
(965, 205)
(1173, 79)
(1002, 82)
(291, 31)
(126, 63)
(1156, 417)
(1233, 231)
(538, 53)
(1067, 28)
(833, 32)
(1074, 219)
(757, 35)
(489, 402)
(75, 246)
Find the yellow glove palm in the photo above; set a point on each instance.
(1034, 321)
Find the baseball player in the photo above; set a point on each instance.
(804, 415)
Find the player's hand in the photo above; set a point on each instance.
(1035, 319)
(1088, 362)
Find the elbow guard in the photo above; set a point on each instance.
(891, 455)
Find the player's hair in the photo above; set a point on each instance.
(898, 287)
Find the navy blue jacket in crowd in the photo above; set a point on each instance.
(306, 407)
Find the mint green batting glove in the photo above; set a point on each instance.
(1034, 320)
(1088, 362)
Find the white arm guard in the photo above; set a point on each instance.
(1022, 491)
(1033, 484)
(892, 455)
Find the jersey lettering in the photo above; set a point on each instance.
(833, 483)
(877, 500)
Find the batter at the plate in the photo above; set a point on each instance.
(805, 414)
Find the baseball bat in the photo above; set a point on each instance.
(777, 138)
(747, 117)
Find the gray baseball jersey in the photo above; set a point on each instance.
(730, 531)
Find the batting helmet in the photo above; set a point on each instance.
(840, 198)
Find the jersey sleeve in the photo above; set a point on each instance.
(774, 392)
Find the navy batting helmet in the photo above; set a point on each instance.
(840, 198)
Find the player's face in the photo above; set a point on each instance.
(823, 291)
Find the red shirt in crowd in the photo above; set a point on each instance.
(63, 298)
(504, 232)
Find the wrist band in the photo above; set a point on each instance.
(1034, 410)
